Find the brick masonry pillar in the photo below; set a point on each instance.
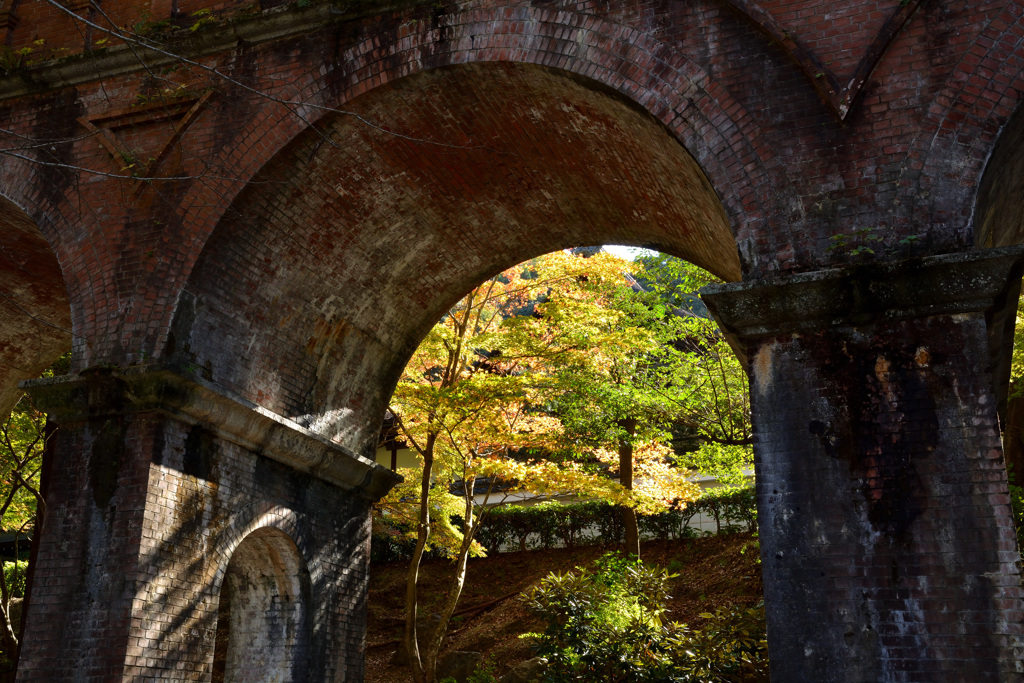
(886, 534)
(157, 478)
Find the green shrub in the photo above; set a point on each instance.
(14, 576)
(485, 673)
(729, 646)
(607, 624)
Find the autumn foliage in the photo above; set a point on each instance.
(513, 392)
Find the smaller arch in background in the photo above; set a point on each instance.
(999, 222)
(264, 614)
(956, 148)
(999, 210)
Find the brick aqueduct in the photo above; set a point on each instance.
(242, 222)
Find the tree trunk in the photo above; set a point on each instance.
(1013, 437)
(629, 523)
(433, 647)
(49, 442)
(412, 580)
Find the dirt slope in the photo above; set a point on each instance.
(713, 572)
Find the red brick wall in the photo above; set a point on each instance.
(905, 161)
(257, 203)
(891, 523)
(136, 542)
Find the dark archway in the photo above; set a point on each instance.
(330, 267)
(263, 618)
(999, 222)
(999, 208)
(35, 317)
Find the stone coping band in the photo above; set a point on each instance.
(268, 25)
(969, 282)
(109, 391)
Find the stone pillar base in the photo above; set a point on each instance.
(887, 539)
(162, 486)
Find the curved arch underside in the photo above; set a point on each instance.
(999, 210)
(262, 621)
(999, 222)
(351, 243)
(35, 317)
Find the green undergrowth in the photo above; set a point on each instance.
(609, 622)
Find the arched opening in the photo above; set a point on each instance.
(660, 318)
(999, 222)
(998, 212)
(35, 331)
(323, 276)
(35, 317)
(263, 618)
(576, 359)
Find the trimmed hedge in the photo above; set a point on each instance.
(549, 525)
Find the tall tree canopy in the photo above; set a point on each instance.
(672, 370)
(479, 399)
(706, 384)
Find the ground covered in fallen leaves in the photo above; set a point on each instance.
(715, 571)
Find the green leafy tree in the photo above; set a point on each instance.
(670, 366)
(474, 403)
(23, 437)
(1013, 425)
(706, 383)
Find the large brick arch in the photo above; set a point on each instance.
(677, 91)
(998, 214)
(329, 268)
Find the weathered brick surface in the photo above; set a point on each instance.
(145, 516)
(315, 185)
(887, 540)
(85, 576)
(907, 159)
